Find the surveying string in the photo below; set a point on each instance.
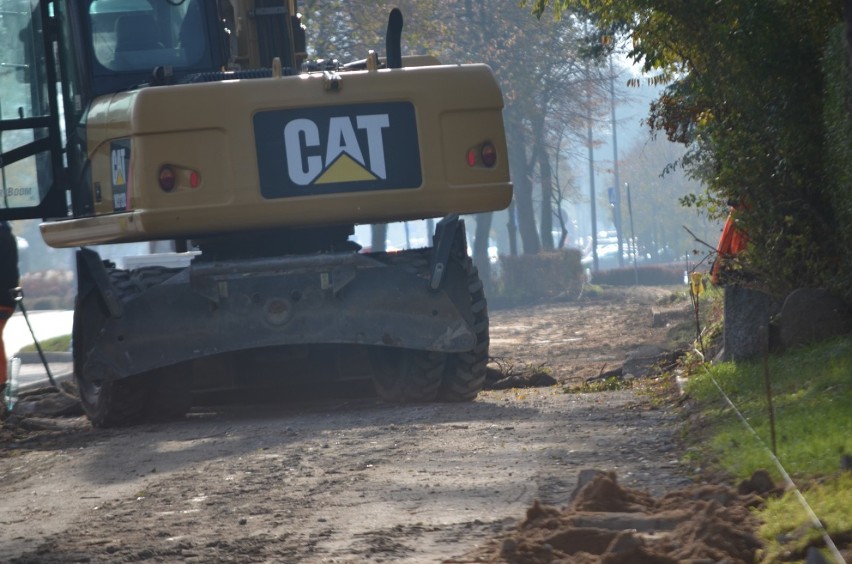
(787, 480)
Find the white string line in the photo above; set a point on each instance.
(789, 481)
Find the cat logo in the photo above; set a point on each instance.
(119, 173)
(120, 164)
(315, 151)
(344, 159)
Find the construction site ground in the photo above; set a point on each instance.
(330, 479)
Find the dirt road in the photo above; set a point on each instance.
(347, 480)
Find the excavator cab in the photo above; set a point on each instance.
(31, 151)
(58, 56)
(132, 42)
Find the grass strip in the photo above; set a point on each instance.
(787, 529)
(812, 394)
(61, 343)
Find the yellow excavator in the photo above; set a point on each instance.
(201, 122)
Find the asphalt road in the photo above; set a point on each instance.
(46, 324)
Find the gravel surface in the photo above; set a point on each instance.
(332, 480)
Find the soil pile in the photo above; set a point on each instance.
(608, 523)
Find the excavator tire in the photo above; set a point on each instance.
(108, 402)
(401, 375)
(406, 375)
(464, 373)
(170, 394)
(114, 402)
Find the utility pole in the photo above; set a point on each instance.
(632, 235)
(617, 183)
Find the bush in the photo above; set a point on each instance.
(545, 275)
(838, 130)
(61, 343)
(649, 275)
(48, 289)
(50, 303)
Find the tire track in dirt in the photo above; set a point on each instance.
(578, 340)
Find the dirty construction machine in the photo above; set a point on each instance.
(201, 123)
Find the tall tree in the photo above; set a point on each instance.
(538, 64)
(745, 94)
(542, 70)
(346, 30)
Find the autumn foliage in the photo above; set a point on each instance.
(557, 274)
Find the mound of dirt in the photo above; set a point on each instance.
(608, 523)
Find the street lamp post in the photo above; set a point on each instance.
(632, 234)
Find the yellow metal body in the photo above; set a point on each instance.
(209, 129)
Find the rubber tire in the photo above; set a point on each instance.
(107, 402)
(112, 402)
(464, 373)
(170, 396)
(406, 375)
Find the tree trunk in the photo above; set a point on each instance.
(512, 228)
(378, 234)
(523, 191)
(563, 228)
(526, 215)
(546, 173)
(480, 246)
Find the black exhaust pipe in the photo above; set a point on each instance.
(393, 39)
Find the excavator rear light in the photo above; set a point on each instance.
(484, 155)
(167, 178)
(488, 154)
(194, 179)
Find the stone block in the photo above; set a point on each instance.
(747, 316)
(811, 315)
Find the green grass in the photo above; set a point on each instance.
(787, 527)
(54, 344)
(812, 396)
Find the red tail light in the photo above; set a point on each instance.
(484, 155)
(173, 177)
